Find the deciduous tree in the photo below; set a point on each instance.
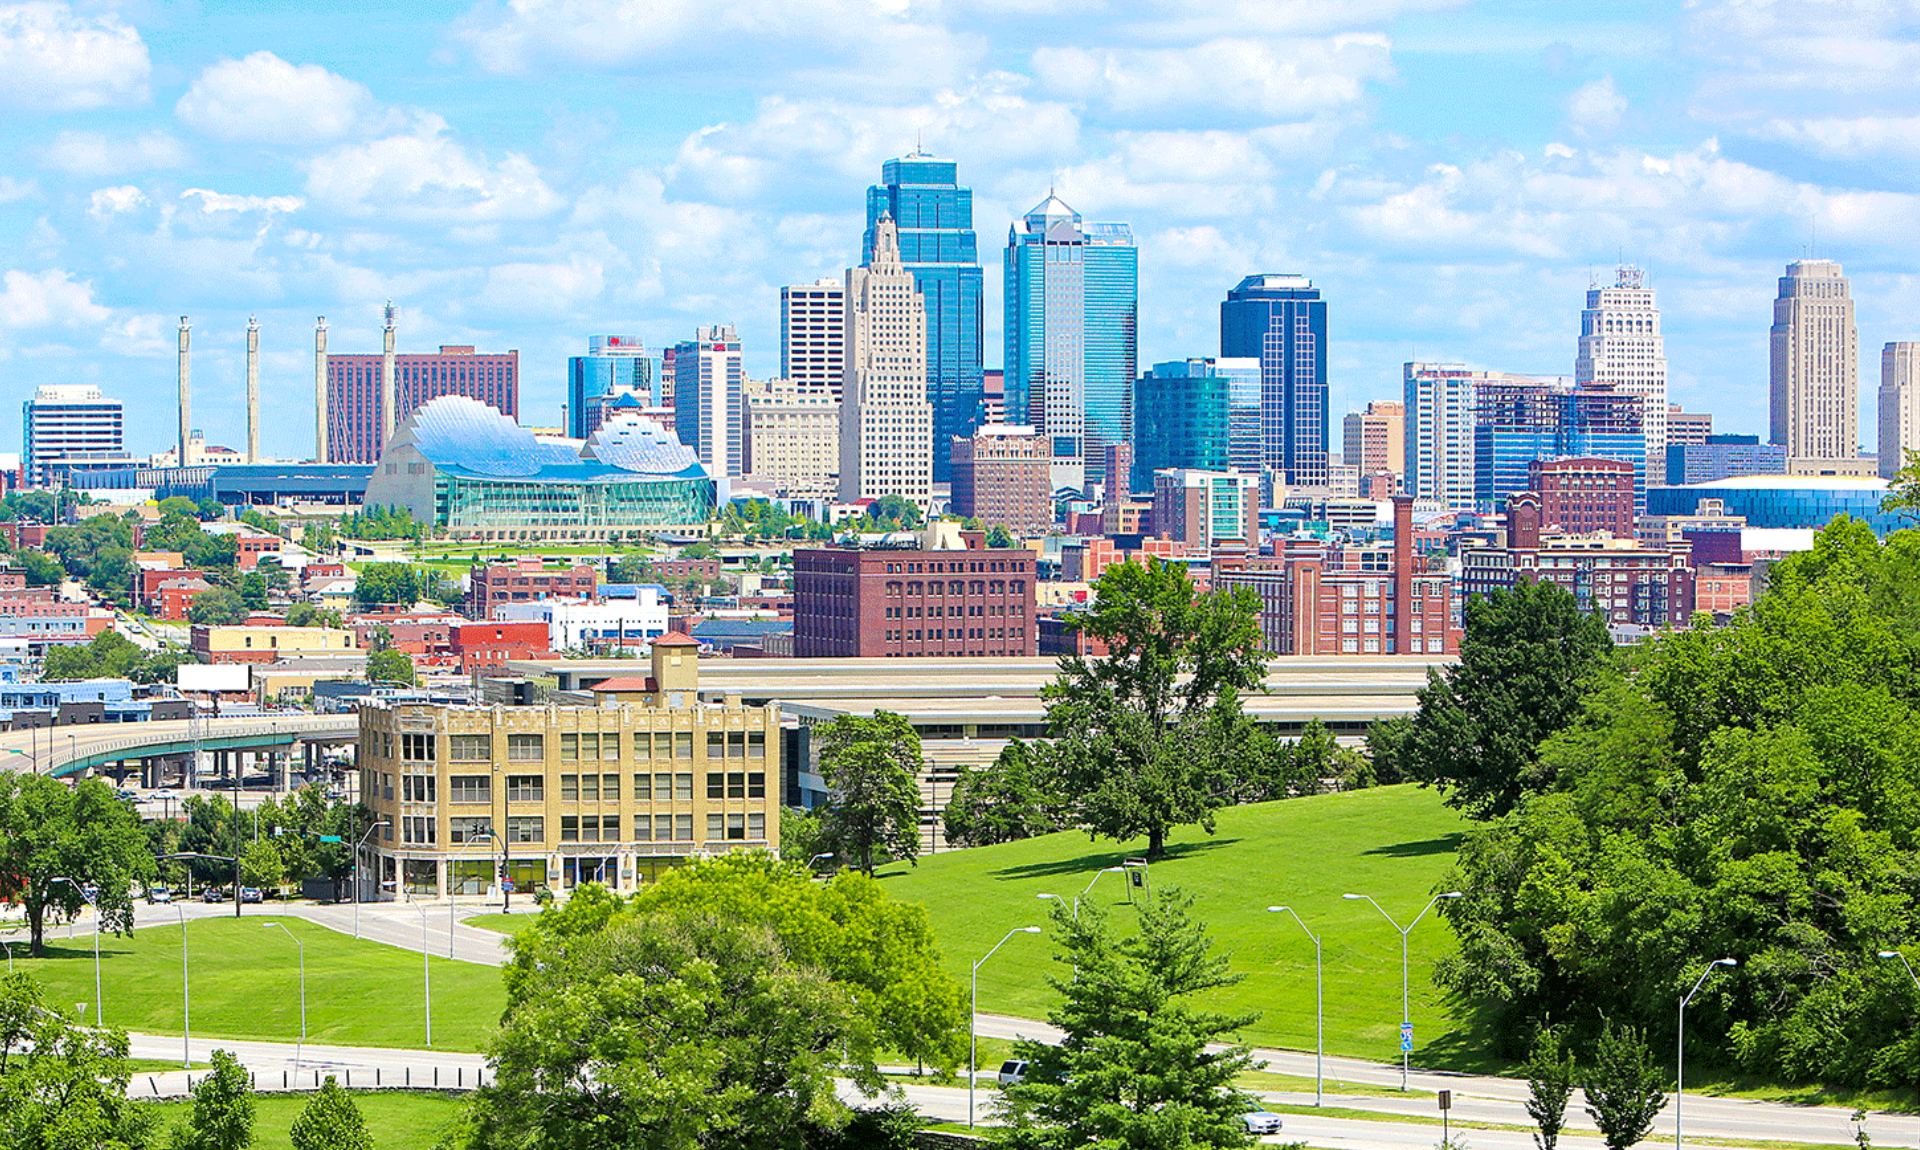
(82, 833)
(63, 1086)
(1623, 1087)
(222, 1114)
(871, 766)
(331, 1121)
(1550, 1071)
(1004, 801)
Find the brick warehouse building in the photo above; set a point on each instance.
(524, 580)
(913, 604)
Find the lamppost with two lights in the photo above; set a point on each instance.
(1406, 1015)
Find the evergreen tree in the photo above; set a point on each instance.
(331, 1121)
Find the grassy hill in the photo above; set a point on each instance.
(1394, 843)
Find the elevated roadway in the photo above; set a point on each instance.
(82, 748)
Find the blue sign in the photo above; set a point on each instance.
(1406, 1038)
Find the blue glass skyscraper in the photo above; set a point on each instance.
(934, 215)
(1516, 423)
(1072, 307)
(1282, 321)
(1200, 414)
(615, 365)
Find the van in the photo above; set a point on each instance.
(1013, 1072)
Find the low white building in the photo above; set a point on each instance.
(573, 625)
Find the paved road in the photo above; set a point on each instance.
(285, 1066)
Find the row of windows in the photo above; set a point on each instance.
(601, 745)
(660, 786)
(587, 829)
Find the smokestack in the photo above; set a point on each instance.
(1403, 574)
(320, 390)
(253, 390)
(186, 382)
(386, 383)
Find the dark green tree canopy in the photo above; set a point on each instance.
(872, 765)
(1008, 800)
(83, 834)
(63, 1086)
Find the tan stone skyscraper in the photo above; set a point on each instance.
(1816, 364)
(1899, 405)
(1621, 344)
(886, 422)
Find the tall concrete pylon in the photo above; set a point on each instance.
(320, 390)
(253, 390)
(387, 399)
(186, 383)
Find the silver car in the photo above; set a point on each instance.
(1262, 1121)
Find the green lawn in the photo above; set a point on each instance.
(245, 980)
(1394, 843)
(397, 1121)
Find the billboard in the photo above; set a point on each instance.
(215, 677)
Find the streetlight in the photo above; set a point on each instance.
(818, 857)
(358, 850)
(426, 973)
(1089, 887)
(186, 995)
(973, 1018)
(1319, 1010)
(96, 943)
(1905, 963)
(235, 860)
(303, 989)
(474, 837)
(1680, 1060)
(1406, 1017)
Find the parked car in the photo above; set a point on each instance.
(250, 894)
(1262, 1121)
(1013, 1072)
(127, 795)
(215, 894)
(159, 894)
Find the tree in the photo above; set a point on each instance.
(671, 1030)
(872, 770)
(217, 605)
(42, 569)
(83, 833)
(1133, 1068)
(178, 506)
(1903, 492)
(699, 549)
(330, 1121)
(63, 1086)
(308, 615)
(999, 537)
(390, 666)
(1523, 660)
(894, 513)
(1005, 801)
(1622, 1087)
(222, 1115)
(253, 590)
(1551, 1073)
(380, 583)
(629, 569)
(1149, 737)
(262, 865)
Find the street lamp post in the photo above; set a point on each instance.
(1680, 1059)
(96, 945)
(297, 1050)
(186, 995)
(502, 843)
(426, 972)
(1905, 963)
(358, 850)
(1406, 1015)
(1319, 1009)
(973, 1018)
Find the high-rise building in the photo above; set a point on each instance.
(69, 423)
(1439, 402)
(1202, 414)
(1374, 441)
(709, 405)
(1621, 344)
(356, 400)
(1815, 362)
(1071, 312)
(1517, 422)
(1001, 475)
(615, 365)
(1282, 321)
(813, 335)
(793, 437)
(933, 220)
(1899, 406)
(886, 422)
(1204, 508)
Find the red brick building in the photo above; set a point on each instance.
(484, 647)
(1626, 581)
(1583, 494)
(869, 604)
(491, 584)
(1003, 475)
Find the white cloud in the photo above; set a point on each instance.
(51, 298)
(1849, 137)
(109, 202)
(1596, 107)
(1275, 78)
(223, 202)
(264, 99)
(424, 176)
(57, 60)
(544, 289)
(97, 154)
(12, 190)
(1767, 60)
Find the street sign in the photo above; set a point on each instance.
(1406, 1038)
(1446, 1099)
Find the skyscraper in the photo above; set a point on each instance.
(709, 406)
(1374, 440)
(357, 401)
(1518, 422)
(886, 423)
(933, 216)
(1899, 405)
(1282, 321)
(813, 336)
(1439, 401)
(1815, 354)
(69, 423)
(1621, 344)
(1202, 414)
(614, 365)
(1071, 312)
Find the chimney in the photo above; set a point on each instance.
(186, 383)
(320, 390)
(253, 390)
(1403, 574)
(387, 406)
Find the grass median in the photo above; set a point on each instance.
(397, 1120)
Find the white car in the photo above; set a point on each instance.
(1262, 1121)
(1013, 1072)
(159, 894)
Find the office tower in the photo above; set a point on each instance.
(793, 437)
(933, 219)
(1439, 399)
(1203, 508)
(1621, 344)
(1583, 494)
(1202, 414)
(1722, 457)
(1518, 421)
(1374, 441)
(615, 365)
(1071, 311)
(1688, 428)
(68, 421)
(993, 389)
(356, 402)
(1815, 361)
(709, 402)
(1003, 475)
(886, 421)
(1282, 321)
(1899, 406)
(813, 336)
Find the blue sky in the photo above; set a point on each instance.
(521, 175)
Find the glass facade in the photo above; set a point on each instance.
(614, 365)
(934, 215)
(1517, 423)
(1783, 501)
(1202, 414)
(1282, 321)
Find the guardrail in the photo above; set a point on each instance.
(456, 1078)
(148, 739)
